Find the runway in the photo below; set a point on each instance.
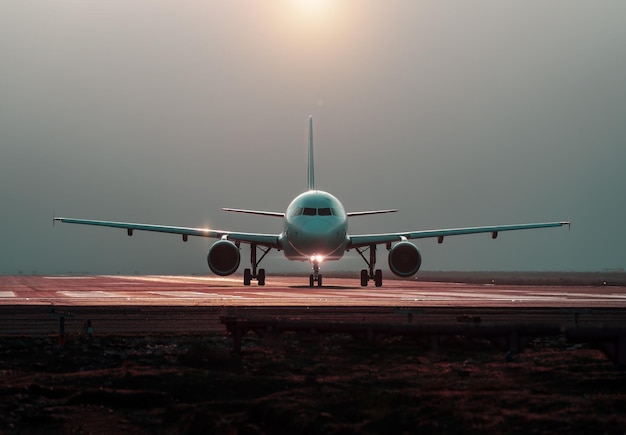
(209, 291)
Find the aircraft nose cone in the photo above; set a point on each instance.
(316, 228)
(320, 237)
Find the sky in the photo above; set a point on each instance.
(456, 113)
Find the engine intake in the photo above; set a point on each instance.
(404, 259)
(223, 258)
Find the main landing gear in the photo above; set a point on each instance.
(371, 274)
(315, 277)
(249, 275)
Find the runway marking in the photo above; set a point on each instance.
(193, 295)
(69, 277)
(90, 294)
(290, 295)
(117, 284)
(7, 294)
(585, 295)
(176, 279)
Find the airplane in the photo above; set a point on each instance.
(315, 229)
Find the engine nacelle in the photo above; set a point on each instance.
(223, 258)
(404, 259)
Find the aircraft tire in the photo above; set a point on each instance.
(319, 280)
(364, 278)
(246, 277)
(378, 278)
(311, 280)
(261, 277)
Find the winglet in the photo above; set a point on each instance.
(311, 170)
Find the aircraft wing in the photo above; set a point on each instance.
(270, 240)
(259, 212)
(357, 241)
(365, 213)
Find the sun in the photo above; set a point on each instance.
(310, 23)
(312, 8)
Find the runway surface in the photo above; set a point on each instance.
(100, 290)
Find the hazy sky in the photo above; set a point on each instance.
(457, 113)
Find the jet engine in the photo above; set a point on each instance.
(404, 259)
(223, 257)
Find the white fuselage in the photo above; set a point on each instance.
(315, 225)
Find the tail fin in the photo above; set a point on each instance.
(311, 171)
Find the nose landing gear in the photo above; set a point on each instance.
(315, 277)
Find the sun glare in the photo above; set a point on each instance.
(313, 10)
(312, 6)
(317, 26)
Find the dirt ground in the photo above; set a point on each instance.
(193, 383)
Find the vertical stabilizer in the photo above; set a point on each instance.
(311, 171)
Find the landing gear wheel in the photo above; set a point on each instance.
(370, 273)
(364, 277)
(250, 274)
(378, 278)
(311, 280)
(319, 280)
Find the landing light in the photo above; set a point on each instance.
(316, 258)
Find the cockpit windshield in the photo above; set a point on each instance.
(310, 211)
